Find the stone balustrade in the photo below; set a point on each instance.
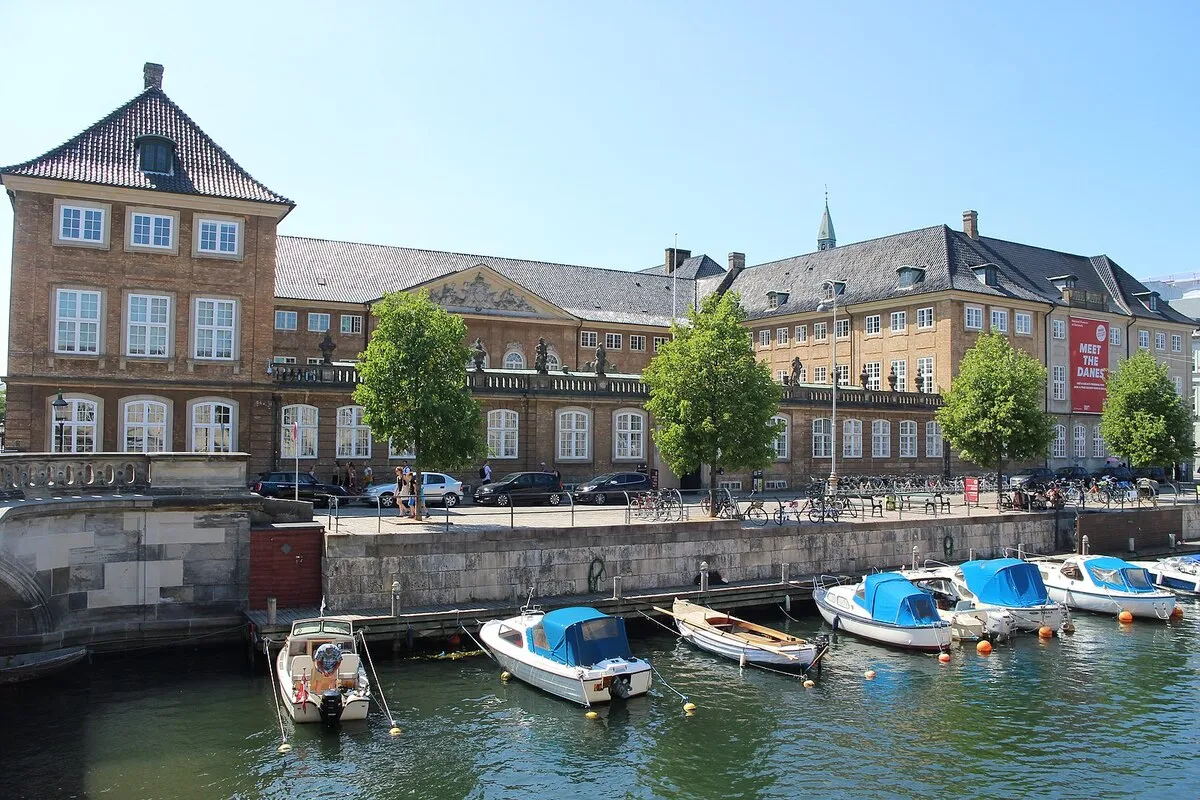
(329, 375)
(91, 473)
(854, 397)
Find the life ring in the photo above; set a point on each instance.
(327, 658)
(948, 545)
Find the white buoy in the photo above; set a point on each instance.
(285, 748)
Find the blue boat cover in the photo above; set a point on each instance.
(1116, 573)
(890, 598)
(579, 637)
(1007, 582)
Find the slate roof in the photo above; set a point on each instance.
(348, 272)
(106, 154)
(693, 268)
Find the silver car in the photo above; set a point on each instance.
(439, 488)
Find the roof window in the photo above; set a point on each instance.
(156, 155)
(986, 274)
(909, 275)
(776, 299)
(1149, 300)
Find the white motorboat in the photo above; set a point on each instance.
(1006, 584)
(1180, 574)
(320, 674)
(1104, 584)
(575, 653)
(967, 623)
(884, 607)
(735, 638)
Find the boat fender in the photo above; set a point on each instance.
(948, 546)
(837, 622)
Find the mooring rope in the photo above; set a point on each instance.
(374, 674)
(478, 643)
(275, 690)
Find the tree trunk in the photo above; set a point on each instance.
(714, 502)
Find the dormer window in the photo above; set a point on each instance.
(909, 276)
(776, 299)
(156, 155)
(1149, 300)
(986, 274)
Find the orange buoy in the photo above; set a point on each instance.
(869, 674)
(944, 658)
(1176, 613)
(1045, 632)
(1125, 617)
(810, 683)
(984, 647)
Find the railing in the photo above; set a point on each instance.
(555, 382)
(314, 374)
(854, 396)
(116, 472)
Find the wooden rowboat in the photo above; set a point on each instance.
(30, 666)
(737, 639)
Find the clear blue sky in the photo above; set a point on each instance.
(593, 133)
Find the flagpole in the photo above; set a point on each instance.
(674, 277)
(296, 446)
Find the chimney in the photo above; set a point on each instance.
(673, 258)
(737, 263)
(152, 75)
(971, 223)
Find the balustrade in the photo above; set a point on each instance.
(70, 473)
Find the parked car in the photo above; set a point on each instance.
(1030, 478)
(1071, 474)
(521, 487)
(283, 485)
(611, 486)
(1153, 473)
(1117, 473)
(439, 488)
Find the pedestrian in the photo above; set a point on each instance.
(351, 479)
(368, 476)
(312, 472)
(485, 472)
(543, 467)
(412, 494)
(337, 473)
(401, 490)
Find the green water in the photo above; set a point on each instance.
(1107, 712)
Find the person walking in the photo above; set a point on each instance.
(337, 473)
(401, 490)
(312, 473)
(368, 476)
(351, 479)
(485, 472)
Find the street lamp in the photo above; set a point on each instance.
(60, 407)
(832, 290)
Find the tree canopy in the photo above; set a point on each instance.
(414, 383)
(711, 400)
(992, 412)
(1145, 420)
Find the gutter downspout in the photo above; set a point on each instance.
(1046, 339)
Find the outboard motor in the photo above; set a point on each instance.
(620, 687)
(331, 706)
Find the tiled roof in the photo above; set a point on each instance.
(700, 266)
(320, 269)
(106, 154)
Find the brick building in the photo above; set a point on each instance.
(151, 286)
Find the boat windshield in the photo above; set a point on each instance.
(321, 626)
(1138, 578)
(1120, 575)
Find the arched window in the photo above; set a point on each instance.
(573, 430)
(403, 451)
(1060, 442)
(213, 427)
(822, 432)
(881, 439)
(144, 426)
(1098, 448)
(629, 435)
(81, 432)
(933, 440)
(552, 363)
(1081, 438)
(852, 438)
(514, 359)
(502, 433)
(781, 439)
(908, 439)
(353, 437)
(299, 431)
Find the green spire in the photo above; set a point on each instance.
(826, 239)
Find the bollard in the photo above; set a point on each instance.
(783, 573)
(395, 598)
(1021, 551)
(272, 609)
(1132, 545)
(1086, 544)
(616, 587)
(1171, 540)
(971, 554)
(916, 552)
(703, 576)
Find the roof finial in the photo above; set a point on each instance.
(827, 195)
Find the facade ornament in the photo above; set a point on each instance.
(327, 347)
(892, 379)
(863, 377)
(601, 360)
(540, 359)
(920, 380)
(478, 354)
(797, 367)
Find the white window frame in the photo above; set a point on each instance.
(149, 329)
(76, 324)
(83, 427)
(291, 360)
(1177, 382)
(782, 376)
(353, 438)
(881, 439)
(821, 374)
(925, 318)
(612, 341)
(308, 419)
(1023, 323)
(629, 434)
(155, 224)
(145, 425)
(312, 361)
(1176, 343)
(822, 438)
(350, 324)
(1058, 382)
(1114, 336)
(1143, 339)
(513, 359)
(504, 433)
(842, 329)
(286, 320)
(782, 441)
(908, 438)
(871, 325)
(1059, 443)
(801, 334)
(973, 318)
(925, 365)
(901, 373)
(637, 343)
(820, 332)
(764, 338)
(213, 435)
(315, 319)
(843, 374)
(898, 322)
(1099, 450)
(588, 338)
(933, 439)
(1079, 437)
(215, 329)
(852, 438)
(86, 218)
(874, 371)
(999, 320)
(781, 336)
(1160, 341)
(573, 434)
(1058, 328)
(215, 235)
(659, 341)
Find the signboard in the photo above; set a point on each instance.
(1089, 364)
(971, 489)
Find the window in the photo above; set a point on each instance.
(81, 224)
(312, 361)
(552, 362)
(933, 440)
(1114, 336)
(318, 323)
(842, 331)
(290, 360)
(1176, 343)
(852, 438)
(79, 434)
(285, 320)
(588, 338)
(899, 321)
(1178, 383)
(881, 439)
(514, 359)
(764, 338)
(145, 426)
(299, 433)
(1060, 442)
(874, 375)
(780, 443)
(353, 437)
(215, 324)
(782, 376)
(802, 376)
(156, 156)
(1144, 339)
(1058, 328)
(629, 440)
(572, 434)
(801, 334)
(637, 343)
(819, 332)
(1160, 340)
(908, 439)
(502, 433)
(925, 318)
(999, 320)
(821, 374)
(217, 236)
(1080, 437)
(397, 450)
(1024, 323)
(925, 379)
(659, 341)
(733, 486)
(152, 230)
(612, 341)
(147, 325)
(77, 321)
(973, 318)
(1098, 448)
(822, 438)
(843, 374)
(900, 368)
(212, 428)
(781, 336)
(1058, 375)
(775, 485)
(352, 323)
(871, 324)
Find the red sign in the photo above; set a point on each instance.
(971, 489)
(1089, 364)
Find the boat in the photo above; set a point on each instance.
(967, 623)
(884, 607)
(31, 666)
(1006, 584)
(576, 653)
(1104, 584)
(320, 673)
(737, 639)
(1180, 574)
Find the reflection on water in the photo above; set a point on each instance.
(1035, 718)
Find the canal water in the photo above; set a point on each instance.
(1112, 711)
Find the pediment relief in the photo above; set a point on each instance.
(483, 291)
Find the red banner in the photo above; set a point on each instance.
(1089, 364)
(971, 489)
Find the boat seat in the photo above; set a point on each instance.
(348, 669)
(302, 665)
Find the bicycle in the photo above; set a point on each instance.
(821, 508)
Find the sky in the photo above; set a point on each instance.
(595, 133)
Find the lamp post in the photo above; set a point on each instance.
(832, 290)
(60, 407)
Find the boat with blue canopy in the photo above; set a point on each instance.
(884, 607)
(1105, 585)
(1179, 574)
(576, 653)
(1011, 584)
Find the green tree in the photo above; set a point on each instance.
(413, 390)
(1145, 420)
(711, 400)
(992, 412)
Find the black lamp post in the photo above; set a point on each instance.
(60, 407)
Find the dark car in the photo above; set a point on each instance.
(521, 487)
(283, 485)
(1031, 478)
(1153, 473)
(611, 487)
(1117, 473)
(1071, 474)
